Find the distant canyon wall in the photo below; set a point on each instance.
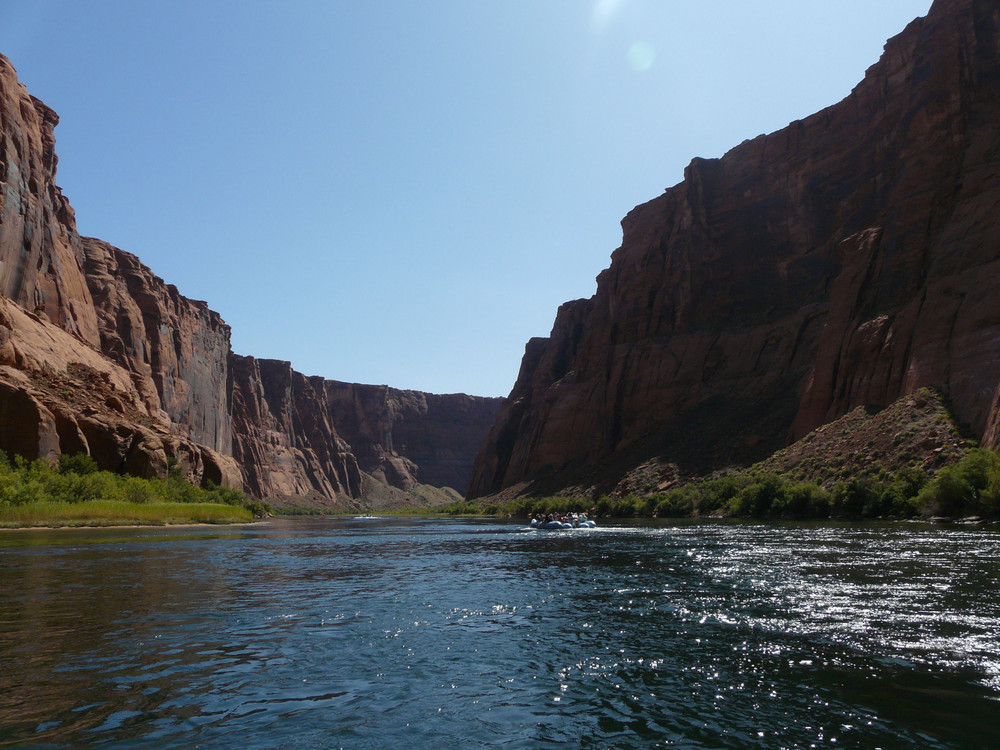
(439, 434)
(285, 439)
(98, 354)
(846, 260)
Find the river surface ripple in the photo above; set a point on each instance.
(426, 633)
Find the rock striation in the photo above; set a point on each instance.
(306, 436)
(58, 395)
(409, 437)
(99, 355)
(40, 256)
(844, 261)
(177, 349)
(57, 392)
(285, 439)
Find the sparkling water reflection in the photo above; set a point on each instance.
(345, 633)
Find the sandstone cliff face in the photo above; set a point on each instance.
(845, 260)
(102, 356)
(284, 438)
(177, 348)
(40, 255)
(306, 436)
(408, 437)
(58, 395)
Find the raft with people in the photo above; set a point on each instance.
(561, 523)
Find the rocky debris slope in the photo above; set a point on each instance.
(102, 356)
(916, 431)
(844, 261)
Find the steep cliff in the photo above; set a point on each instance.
(409, 437)
(58, 395)
(40, 256)
(177, 348)
(131, 410)
(846, 260)
(284, 439)
(310, 437)
(98, 354)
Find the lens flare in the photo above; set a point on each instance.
(641, 56)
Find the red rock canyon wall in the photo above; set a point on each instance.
(404, 437)
(848, 259)
(98, 354)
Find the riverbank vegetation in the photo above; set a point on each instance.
(969, 487)
(76, 493)
(117, 513)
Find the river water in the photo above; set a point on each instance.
(324, 633)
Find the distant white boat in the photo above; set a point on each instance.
(366, 517)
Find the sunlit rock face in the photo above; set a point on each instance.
(846, 260)
(60, 395)
(41, 262)
(68, 384)
(177, 348)
(299, 435)
(99, 355)
(284, 439)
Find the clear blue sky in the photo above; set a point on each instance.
(404, 192)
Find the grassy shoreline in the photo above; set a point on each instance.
(75, 493)
(103, 513)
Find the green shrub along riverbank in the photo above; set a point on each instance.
(76, 493)
(970, 487)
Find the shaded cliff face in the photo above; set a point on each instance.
(408, 437)
(845, 260)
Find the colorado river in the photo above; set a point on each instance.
(425, 633)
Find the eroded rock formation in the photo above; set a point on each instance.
(40, 256)
(285, 439)
(177, 348)
(58, 395)
(99, 355)
(406, 437)
(846, 260)
(306, 436)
